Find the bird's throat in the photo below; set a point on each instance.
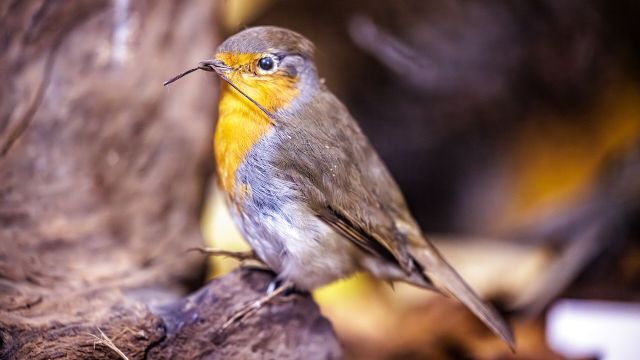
(240, 126)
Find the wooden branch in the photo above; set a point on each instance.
(287, 328)
(140, 326)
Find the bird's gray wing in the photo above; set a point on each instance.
(343, 180)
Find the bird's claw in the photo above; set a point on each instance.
(281, 287)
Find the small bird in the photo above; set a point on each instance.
(304, 185)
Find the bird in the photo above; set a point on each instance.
(306, 188)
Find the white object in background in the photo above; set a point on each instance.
(607, 330)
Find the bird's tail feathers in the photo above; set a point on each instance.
(450, 282)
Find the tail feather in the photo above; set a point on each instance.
(449, 281)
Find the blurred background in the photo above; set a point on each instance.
(513, 129)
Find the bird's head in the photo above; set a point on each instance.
(271, 66)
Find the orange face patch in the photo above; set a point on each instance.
(241, 124)
(272, 91)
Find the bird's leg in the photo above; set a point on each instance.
(238, 255)
(274, 284)
(289, 292)
(275, 288)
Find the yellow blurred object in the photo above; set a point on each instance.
(493, 267)
(238, 13)
(220, 231)
(355, 307)
(558, 160)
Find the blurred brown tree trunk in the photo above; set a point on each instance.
(102, 172)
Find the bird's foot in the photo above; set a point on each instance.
(291, 289)
(275, 288)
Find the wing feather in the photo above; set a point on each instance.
(357, 235)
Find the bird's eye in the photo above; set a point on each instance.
(267, 64)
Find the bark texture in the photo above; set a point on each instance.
(102, 171)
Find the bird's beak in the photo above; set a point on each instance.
(214, 65)
(217, 66)
(220, 68)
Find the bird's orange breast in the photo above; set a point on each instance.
(240, 126)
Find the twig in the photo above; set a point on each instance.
(183, 74)
(254, 306)
(238, 255)
(105, 341)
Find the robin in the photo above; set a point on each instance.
(308, 191)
